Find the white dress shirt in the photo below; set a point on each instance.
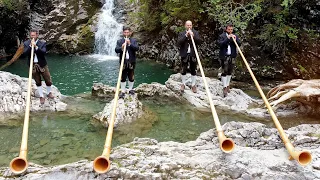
(127, 53)
(229, 48)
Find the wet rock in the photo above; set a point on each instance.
(128, 110)
(200, 159)
(43, 142)
(40, 156)
(102, 90)
(13, 92)
(156, 90)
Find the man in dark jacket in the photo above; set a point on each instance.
(129, 61)
(227, 55)
(188, 56)
(40, 67)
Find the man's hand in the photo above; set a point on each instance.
(233, 36)
(33, 43)
(128, 42)
(189, 32)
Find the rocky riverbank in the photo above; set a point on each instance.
(13, 91)
(259, 154)
(236, 101)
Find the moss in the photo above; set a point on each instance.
(302, 69)
(64, 169)
(314, 135)
(266, 137)
(118, 163)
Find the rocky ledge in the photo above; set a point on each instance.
(128, 110)
(259, 154)
(13, 93)
(236, 101)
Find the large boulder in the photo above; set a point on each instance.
(69, 26)
(236, 100)
(13, 95)
(259, 154)
(128, 110)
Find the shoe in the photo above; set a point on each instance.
(122, 95)
(182, 88)
(132, 92)
(42, 100)
(228, 89)
(194, 89)
(225, 92)
(50, 95)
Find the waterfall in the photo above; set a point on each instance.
(108, 31)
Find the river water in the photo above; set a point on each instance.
(65, 137)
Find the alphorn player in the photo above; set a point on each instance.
(227, 55)
(129, 60)
(40, 67)
(188, 56)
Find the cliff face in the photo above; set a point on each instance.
(278, 44)
(277, 47)
(67, 25)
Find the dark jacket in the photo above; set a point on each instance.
(131, 49)
(40, 52)
(224, 42)
(183, 43)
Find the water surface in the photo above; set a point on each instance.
(65, 137)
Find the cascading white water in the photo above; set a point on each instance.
(108, 31)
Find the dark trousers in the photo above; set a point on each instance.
(38, 71)
(227, 65)
(128, 72)
(185, 61)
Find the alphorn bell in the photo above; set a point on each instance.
(303, 157)
(226, 144)
(14, 58)
(102, 163)
(20, 164)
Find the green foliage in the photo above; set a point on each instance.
(302, 69)
(179, 29)
(147, 17)
(279, 34)
(13, 4)
(238, 14)
(287, 3)
(154, 14)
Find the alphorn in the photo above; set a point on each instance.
(20, 164)
(303, 157)
(102, 163)
(14, 58)
(226, 144)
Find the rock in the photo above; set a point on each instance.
(128, 110)
(236, 100)
(200, 159)
(101, 90)
(68, 26)
(156, 90)
(43, 142)
(13, 92)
